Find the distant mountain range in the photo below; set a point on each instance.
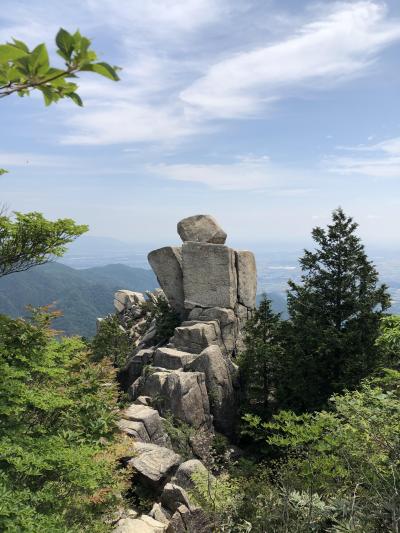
(81, 294)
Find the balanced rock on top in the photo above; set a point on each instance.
(201, 228)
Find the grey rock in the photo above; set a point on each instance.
(171, 358)
(159, 513)
(173, 496)
(183, 394)
(183, 476)
(201, 228)
(154, 464)
(227, 321)
(209, 275)
(167, 265)
(219, 383)
(143, 400)
(125, 299)
(137, 362)
(194, 337)
(186, 520)
(142, 524)
(144, 424)
(247, 278)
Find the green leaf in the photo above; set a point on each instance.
(3, 171)
(47, 94)
(75, 98)
(21, 45)
(9, 52)
(40, 59)
(65, 43)
(104, 69)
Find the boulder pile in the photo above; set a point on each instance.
(191, 377)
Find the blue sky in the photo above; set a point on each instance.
(267, 114)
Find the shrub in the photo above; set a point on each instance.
(58, 439)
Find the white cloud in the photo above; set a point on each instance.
(338, 46)
(379, 160)
(248, 174)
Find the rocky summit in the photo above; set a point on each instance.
(192, 376)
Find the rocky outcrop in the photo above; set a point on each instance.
(182, 394)
(192, 376)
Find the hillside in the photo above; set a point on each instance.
(82, 295)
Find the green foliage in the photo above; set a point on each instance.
(165, 318)
(262, 355)
(58, 439)
(27, 240)
(388, 341)
(111, 342)
(23, 70)
(181, 435)
(3, 171)
(348, 459)
(335, 314)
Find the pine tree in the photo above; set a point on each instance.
(258, 362)
(335, 314)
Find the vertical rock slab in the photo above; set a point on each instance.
(247, 278)
(209, 275)
(167, 265)
(219, 383)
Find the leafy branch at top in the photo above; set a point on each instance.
(23, 70)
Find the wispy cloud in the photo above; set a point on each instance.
(336, 47)
(379, 160)
(162, 98)
(247, 173)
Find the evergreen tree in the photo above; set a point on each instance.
(335, 315)
(260, 359)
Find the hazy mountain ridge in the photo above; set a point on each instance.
(82, 295)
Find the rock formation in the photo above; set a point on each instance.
(192, 376)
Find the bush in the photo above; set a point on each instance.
(58, 440)
(164, 317)
(111, 342)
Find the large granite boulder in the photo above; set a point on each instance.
(247, 278)
(167, 265)
(209, 275)
(144, 424)
(154, 464)
(227, 321)
(194, 337)
(171, 358)
(201, 228)
(219, 383)
(182, 394)
(184, 475)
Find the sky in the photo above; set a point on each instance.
(267, 114)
